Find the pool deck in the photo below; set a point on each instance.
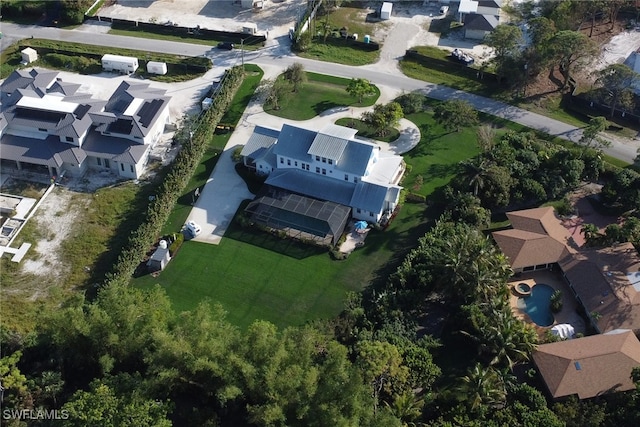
(568, 313)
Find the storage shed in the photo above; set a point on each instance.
(29, 55)
(385, 10)
(249, 28)
(122, 64)
(159, 259)
(157, 68)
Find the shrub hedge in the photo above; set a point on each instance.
(174, 182)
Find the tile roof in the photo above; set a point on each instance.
(537, 237)
(602, 278)
(589, 366)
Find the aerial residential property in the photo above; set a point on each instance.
(47, 124)
(329, 165)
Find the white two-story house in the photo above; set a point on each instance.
(330, 165)
(46, 124)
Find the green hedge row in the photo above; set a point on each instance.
(174, 182)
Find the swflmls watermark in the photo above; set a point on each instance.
(35, 414)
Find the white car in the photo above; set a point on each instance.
(444, 10)
(193, 229)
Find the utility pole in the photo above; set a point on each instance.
(242, 49)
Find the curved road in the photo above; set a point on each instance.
(278, 54)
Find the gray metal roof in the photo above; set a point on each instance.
(331, 141)
(50, 152)
(312, 185)
(355, 158)
(369, 196)
(261, 139)
(480, 22)
(294, 142)
(22, 79)
(147, 114)
(114, 148)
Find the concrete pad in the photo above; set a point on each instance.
(21, 252)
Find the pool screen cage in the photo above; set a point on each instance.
(299, 216)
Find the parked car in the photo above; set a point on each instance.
(225, 46)
(193, 229)
(444, 10)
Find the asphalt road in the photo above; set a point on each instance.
(278, 54)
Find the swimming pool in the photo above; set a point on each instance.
(537, 305)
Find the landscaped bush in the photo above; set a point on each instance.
(175, 181)
(177, 242)
(336, 255)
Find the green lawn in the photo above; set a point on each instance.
(320, 93)
(366, 131)
(253, 282)
(340, 53)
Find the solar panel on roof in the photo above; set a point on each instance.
(122, 126)
(148, 111)
(39, 115)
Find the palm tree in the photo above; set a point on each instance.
(591, 233)
(482, 387)
(475, 172)
(407, 407)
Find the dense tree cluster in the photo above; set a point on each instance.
(543, 170)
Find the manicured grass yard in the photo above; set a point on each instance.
(252, 282)
(320, 93)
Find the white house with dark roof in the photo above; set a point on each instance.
(46, 124)
(480, 17)
(330, 165)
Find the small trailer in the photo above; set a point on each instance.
(122, 64)
(385, 10)
(157, 68)
(29, 55)
(249, 28)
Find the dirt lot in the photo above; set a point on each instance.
(223, 15)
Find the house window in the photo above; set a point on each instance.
(346, 177)
(99, 161)
(355, 179)
(307, 166)
(288, 162)
(281, 160)
(296, 164)
(302, 165)
(370, 213)
(324, 160)
(317, 170)
(358, 210)
(330, 161)
(69, 139)
(324, 171)
(527, 269)
(42, 130)
(317, 158)
(106, 163)
(132, 170)
(122, 167)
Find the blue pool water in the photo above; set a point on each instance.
(537, 305)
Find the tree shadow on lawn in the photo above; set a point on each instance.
(438, 170)
(323, 106)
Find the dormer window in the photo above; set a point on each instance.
(317, 158)
(330, 161)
